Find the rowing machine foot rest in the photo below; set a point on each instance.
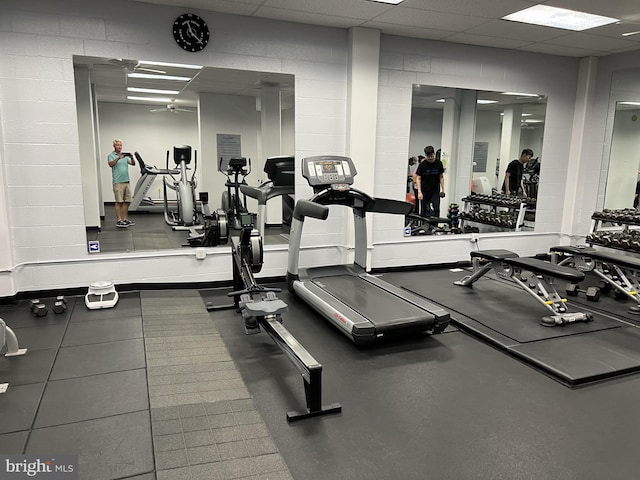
(324, 410)
(565, 318)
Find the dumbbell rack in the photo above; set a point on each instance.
(621, 234)
(512, 217)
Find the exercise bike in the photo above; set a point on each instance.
(186, 216)
(231, 203)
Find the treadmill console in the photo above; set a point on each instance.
(326, 170)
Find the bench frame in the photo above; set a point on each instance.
(614, 269)
(533, 277)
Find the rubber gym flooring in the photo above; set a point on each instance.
(159, 388)
(509, 318)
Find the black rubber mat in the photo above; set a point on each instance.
(509, 318)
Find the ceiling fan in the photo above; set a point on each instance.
(172, 108)
(129, 66)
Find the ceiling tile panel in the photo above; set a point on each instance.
(306, 17)
(480, 8)
(429, 19)
(239, 7)
(359, 9)
(517, 31)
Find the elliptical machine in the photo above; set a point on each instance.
(231, 203)
(186, 215)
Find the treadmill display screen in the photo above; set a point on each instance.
(328, 171)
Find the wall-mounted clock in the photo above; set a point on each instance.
(191, 32)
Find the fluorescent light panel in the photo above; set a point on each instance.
(391, 2)
(628, 34)
(151, 76)
(152, 90)
(518, 94)
(629, 103)
(167, 64)
(486, 102)
(559, 18)
(150, 99)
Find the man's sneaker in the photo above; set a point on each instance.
(121, 224)
(129, 223)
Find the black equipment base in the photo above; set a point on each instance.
(505, 316)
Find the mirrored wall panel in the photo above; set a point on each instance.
(182, 125)
(624, 162)
(477, 135)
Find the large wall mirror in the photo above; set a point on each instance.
(153, 107)
(624, 161)
(478, 134)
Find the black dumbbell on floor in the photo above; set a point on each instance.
(592, 293)
(38, 308)
(60, 306)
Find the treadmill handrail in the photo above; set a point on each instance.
(349, 197)
(307, 208)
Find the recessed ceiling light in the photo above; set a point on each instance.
(151, 76)
(628, 34)
(150, 99)
(166, 64)
(486, 102)
(441, 100)
(152, 90)
(559, 18)
(392, 2)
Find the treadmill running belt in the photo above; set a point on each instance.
(381, 308)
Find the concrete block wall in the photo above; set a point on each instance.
(40, 157)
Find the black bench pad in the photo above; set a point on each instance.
(617, 259)
(540, 266)
(494, 255)
(574, 249)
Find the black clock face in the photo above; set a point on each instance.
(191, 32)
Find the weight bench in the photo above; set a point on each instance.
(535, 276)
(618, 271)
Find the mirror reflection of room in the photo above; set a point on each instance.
(181, 125)
(615, 226)
(624, 161)
(497, 125)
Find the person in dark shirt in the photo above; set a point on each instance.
(512, 184)
(429, 180)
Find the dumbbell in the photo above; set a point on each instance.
(60, 306)
(592, 293)
(39, 309)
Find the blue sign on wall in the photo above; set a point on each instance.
(94, 246)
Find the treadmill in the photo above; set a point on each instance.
(362, 306)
